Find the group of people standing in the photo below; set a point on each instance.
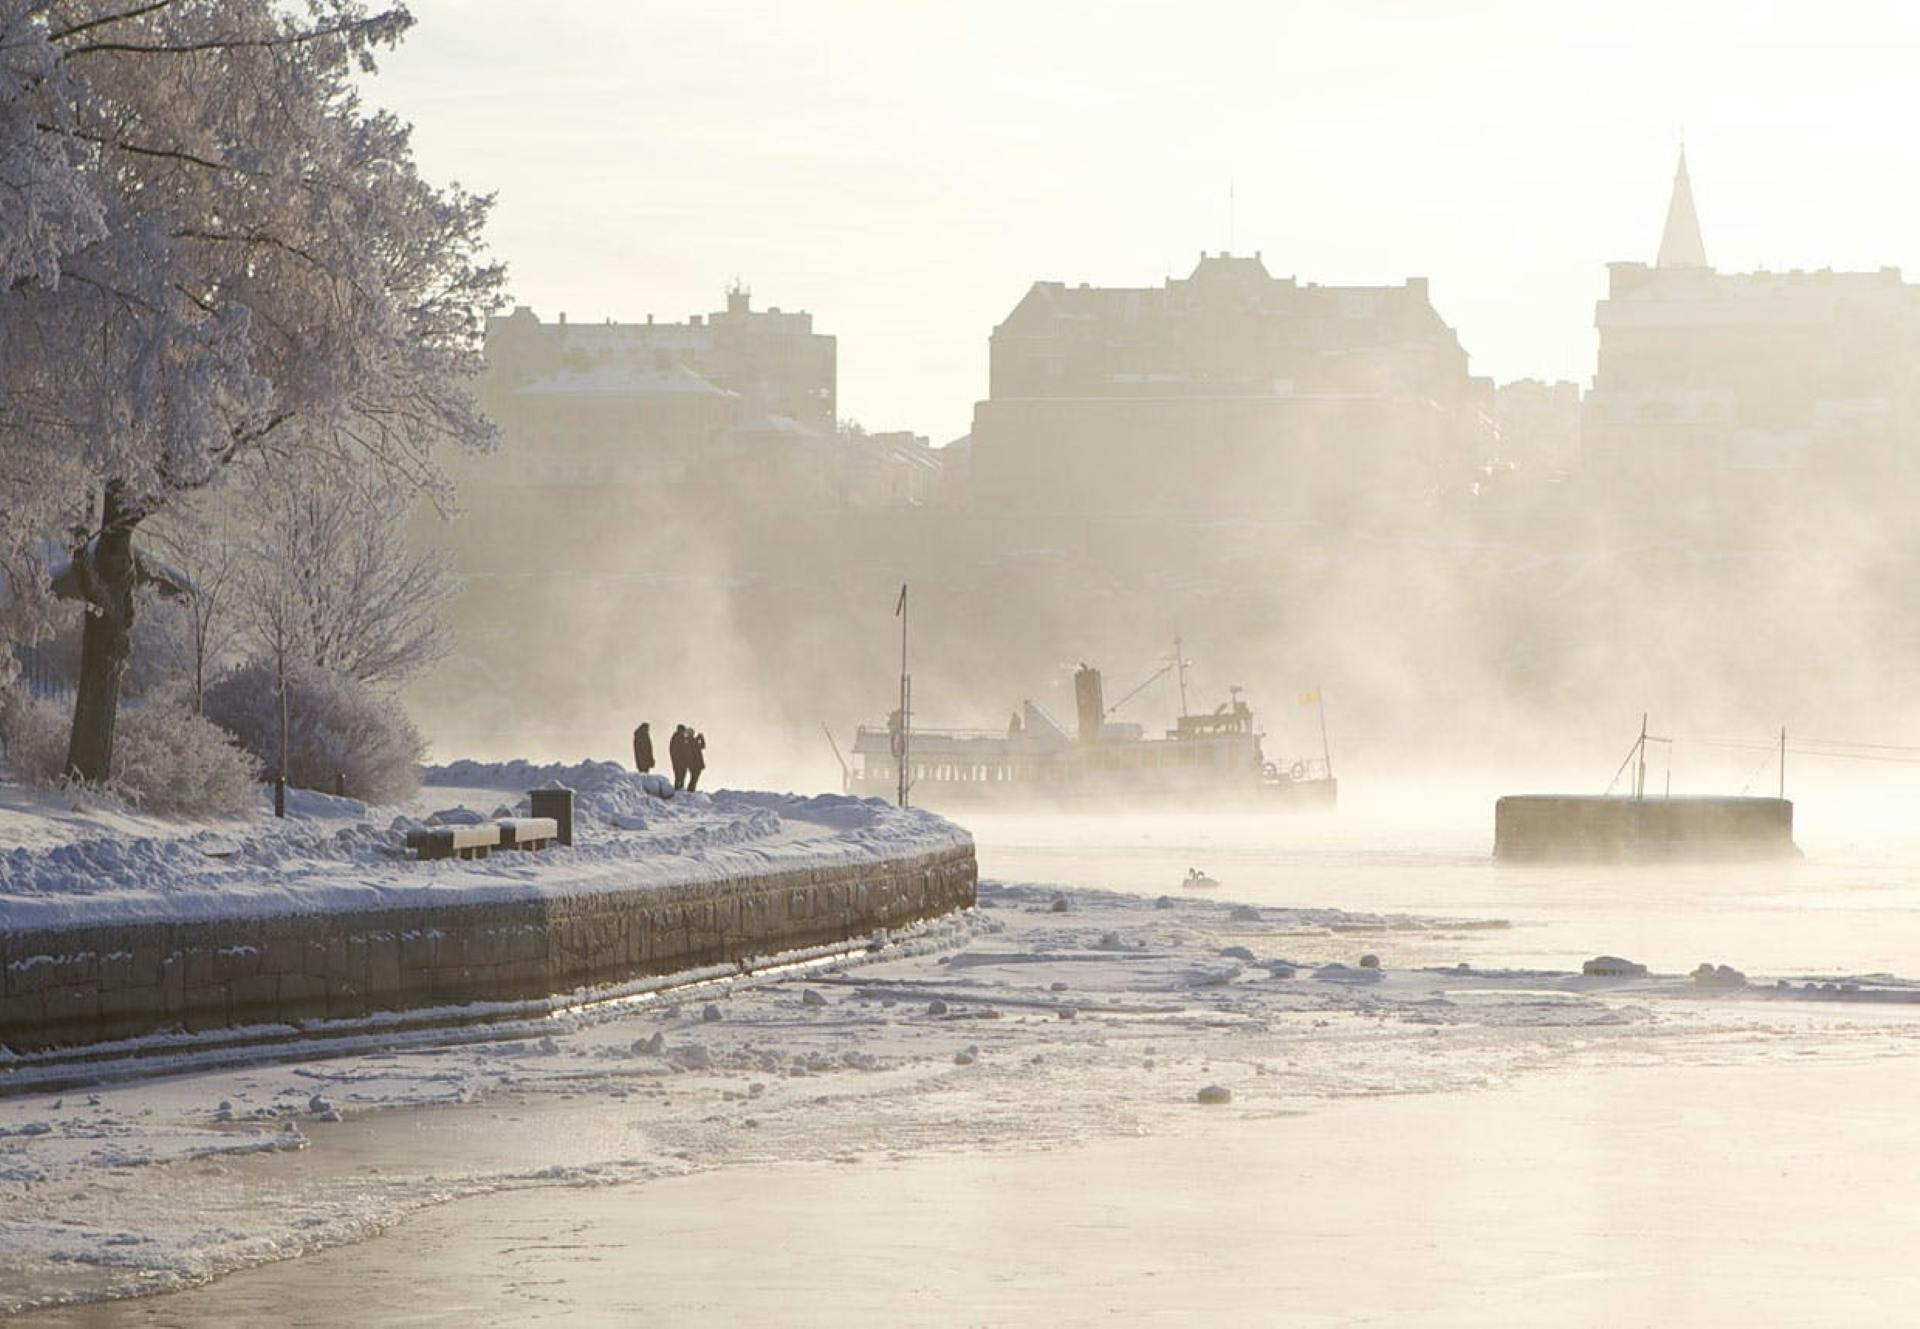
(686, 752)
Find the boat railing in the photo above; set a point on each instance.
(1297, 770)
(922, 731)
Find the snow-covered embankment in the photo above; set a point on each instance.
(322, 918)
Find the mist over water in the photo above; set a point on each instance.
(1850, 907)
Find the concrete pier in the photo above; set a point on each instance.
(1590, 828)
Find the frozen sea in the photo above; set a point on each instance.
(998, 1124)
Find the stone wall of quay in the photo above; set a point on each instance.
(76, 985)
(1596, 827)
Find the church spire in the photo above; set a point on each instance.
(1680, 244)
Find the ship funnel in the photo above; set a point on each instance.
(1091, 702)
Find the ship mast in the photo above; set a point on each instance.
(1180, 671)
(1326, 752)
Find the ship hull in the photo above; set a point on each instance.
(1283, 796)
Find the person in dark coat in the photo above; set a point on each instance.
(643, 749)
(696, 759)
(677, 754)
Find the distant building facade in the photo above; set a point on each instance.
(896, 468)
(1229, 391)
(775, 365)
(1538, 424)
(1714, 386)
(738, 403)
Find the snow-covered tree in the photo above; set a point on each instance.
(207, 554)
(331, 576)
(31, 511)
(210, 250)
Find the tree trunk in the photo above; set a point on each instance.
(107, 572)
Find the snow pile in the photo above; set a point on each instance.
(607, 796)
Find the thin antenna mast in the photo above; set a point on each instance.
(1326, 752)
(846, 772)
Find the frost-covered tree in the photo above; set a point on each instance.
(212, 250)
(31, 511)
(207, 553)
(332, 577)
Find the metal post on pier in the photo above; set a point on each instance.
(906, 696)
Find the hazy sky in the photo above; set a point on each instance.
(906, 170)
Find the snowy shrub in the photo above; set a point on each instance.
(34, 734)
(168, 760)
(337, 726)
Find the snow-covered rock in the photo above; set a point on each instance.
(1612, 966)
(455, 817)
(692, 1057)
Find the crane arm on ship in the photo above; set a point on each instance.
(1174, 662)
(1152, 678)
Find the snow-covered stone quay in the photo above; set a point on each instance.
(322, 923)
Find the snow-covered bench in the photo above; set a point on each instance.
(527, 832)
(455, 841)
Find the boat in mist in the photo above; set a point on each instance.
(1208, 758)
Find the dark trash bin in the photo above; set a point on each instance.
(558, 804)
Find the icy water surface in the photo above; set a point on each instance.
(1722, 1196)
(1850, 906)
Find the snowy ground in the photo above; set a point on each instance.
(1039, 1020)
(41, 819)
(67, 863)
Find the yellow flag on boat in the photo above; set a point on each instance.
(1310, 698)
